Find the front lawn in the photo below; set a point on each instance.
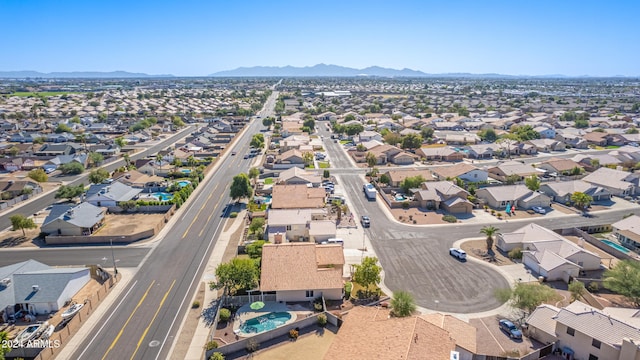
(344, 141)
(268, 181)
(323, 164)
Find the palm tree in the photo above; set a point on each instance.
(402, 304)
(489, 231)
(127, 159)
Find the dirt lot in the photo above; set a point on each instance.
(478, 249)
(309, 346)
(128, 224)
(420, 216)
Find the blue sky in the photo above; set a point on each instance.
(192, 38)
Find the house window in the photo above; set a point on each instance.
(475, 175)
(309, 293)
(592, 357)
(571, 331)
(596, 343)
(288, 227)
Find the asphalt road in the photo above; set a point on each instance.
(144, 322)
(48, 199)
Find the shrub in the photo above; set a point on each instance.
(493, 212)
(293, 333)
(322, 320)
(450, 219)
(38, 175)
(405, 205)
(195, 305)
(516, 253)
(216, 356)
(499, 215)
(594, 287)
(211, 345)
(252, 345)
(225, 314)
(233, 215)
(347, 290)
(317, 306)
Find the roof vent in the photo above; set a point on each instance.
(70, 213)
(35, 288)
(4, 283)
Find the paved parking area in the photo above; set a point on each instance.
(493, 341)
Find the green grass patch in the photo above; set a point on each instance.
(344, 141)
(42, 93)
(323, 164)
(613, 147)
(310, 167)
(268, 181)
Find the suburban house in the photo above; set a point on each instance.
(155, 167)
(296, 176)
(464, 171)
(559, 166)
(58, 149)
(547, 253)
(297, 197)
(480, 151)
(591, 162)
(627, 231)
(293, 156)
(585, 332)
(69, 220)
(617, 182)
(572, 138)
(303, 271)
(545, 132)
(561, 191)
(38, 289)
(13, 188)
(372, 333)
(498, 197)
(138, 180)
(391, 154)
(368, 136)
(287, 225)
(443, 195)
(397, 176)
(444, 153)
(502, 171)
(109, 195)
(66, 159)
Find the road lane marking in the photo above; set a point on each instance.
(113, 344)
(198, 214)
(144, 334)
(107, 321)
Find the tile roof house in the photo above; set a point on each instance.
(372, 333)
(592, 162)
(480, 151)
(69, 220)
(445, 153)
(285, 225)
(502, 171)
(498, 197)
(547, 145)
(585, 332)
(618, 182)
(464, 171)
(391, 154)
(296, 176)
(138, 180)
(302, 271)
(109, 195)
(561, 191)
(37, 288)
(397, 176)
(627, 231)
(297, 197)
(559, 166)
(17, 187)
(443, 195)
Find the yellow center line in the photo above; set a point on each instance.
(153, 319)
(113, 344)
(198, 214)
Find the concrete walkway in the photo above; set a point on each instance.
(203, 331)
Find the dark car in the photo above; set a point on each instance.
(233, 153)
(511, 330)
(366, 222)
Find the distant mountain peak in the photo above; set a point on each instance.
(76, 74)
(318, 70)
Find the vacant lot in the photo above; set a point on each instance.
(127, 224)
(418, 216)
(309, 347)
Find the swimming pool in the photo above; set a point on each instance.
(185, 171)
(615, 246)
(183, 183)
(162, 196)
(400, 197)
(265, 322)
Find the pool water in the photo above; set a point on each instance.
(400, 197)
(265, 322)
(183, 183)
(185, 171)
(616, 246)
(162, 196)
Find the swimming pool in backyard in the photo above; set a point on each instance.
(265, 322)
(183, 183)
(616, 246)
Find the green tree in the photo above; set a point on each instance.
(392, 138)
(239, 274)
(241, 187)
(412, 182)
(62, 128)
(72, 168)
(532, 183)
(98, 176)
(4, 344)
(581, 200)
(512, 179)
(576, 288)
(192, 162)
(267, 122)
(402, 304)
(349, 117)
(426, 132)
(257, 224)
(527, 296)
(488, 134)
(624, 279)
(177, 121)
(412, 141)
(384, 178)
(353, 129)
(253, 174)
(95, 158)
(120, 141)
(367, 273)
(21, 222)
(371, 159)
(489, 231)
(631, 130)
(13, 151)
(525, 132)
(326, 174)
(595, 163)
(581, 124)
(310, 123)
(308, 158)
(257, 141)
(576, 170)
(38, 175)
(254, 250)
(69, 191)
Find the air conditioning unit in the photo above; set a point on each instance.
(35, 288)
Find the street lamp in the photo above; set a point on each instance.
(113, 258)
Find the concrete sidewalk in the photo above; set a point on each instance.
(204, 331)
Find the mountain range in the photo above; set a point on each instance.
(76, 74)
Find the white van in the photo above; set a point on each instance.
(335, 241)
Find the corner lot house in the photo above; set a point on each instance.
(561, 191)
(617, 182)
(37, 288)
(302, 271)
(584, 332)
(444, 195)
(627, 231)
(466, 172)
(110, 195)
(68, 220)
(498, 197)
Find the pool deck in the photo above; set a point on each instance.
(245, 313)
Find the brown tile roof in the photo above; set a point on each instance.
(301, 266)
(562, 164)
(297, 197)
(463, 333)
(399, 175)
(454, 171)
(370, 333)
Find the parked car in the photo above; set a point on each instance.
(366, 222)
(511, 330)
(246, 156)
(233, 153)
(458, 253)
(539, 209)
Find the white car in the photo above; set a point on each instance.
(458, 253)
(539, 209)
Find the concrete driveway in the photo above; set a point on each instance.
(493, 341)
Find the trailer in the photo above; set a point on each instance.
(370, 191)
